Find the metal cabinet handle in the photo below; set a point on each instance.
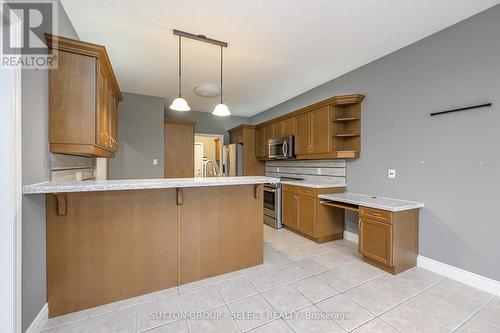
(284, 149)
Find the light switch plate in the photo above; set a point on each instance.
(391, 173)
(155, 161)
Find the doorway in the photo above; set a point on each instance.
(208, 155)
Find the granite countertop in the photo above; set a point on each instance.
(312, 184)
(141, 184)
(393, 205)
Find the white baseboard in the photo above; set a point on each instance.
(474, 280)
(40, 320)
(350, 236)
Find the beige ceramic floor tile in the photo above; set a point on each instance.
(346, 313)
(314, 289)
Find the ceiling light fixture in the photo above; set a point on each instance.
(221, 108)
(180, 104)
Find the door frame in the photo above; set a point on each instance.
(11, 210)
(202, 157)
(221, 138)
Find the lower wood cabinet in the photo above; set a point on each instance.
(107, 246)
(376, 240)
(387, 239)
(289, 207)
(302, 212)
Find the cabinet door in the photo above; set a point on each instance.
(289, 126)
(375, 240)
(278, 129)
(114, 120)
(269, 134)
(303, 136)
(102, 110)
(321, 130)
(289, 209)
(260, 148)
(307, 215)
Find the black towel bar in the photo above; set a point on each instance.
(462, 109)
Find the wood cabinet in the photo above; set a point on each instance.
(387, 239)
(303, 136)
(245, 135)
(179, 149)
(215, 241)
(289, 126)
(289, 206)
(260, 146)
(83, 99)
(303, 213)
(112, 245)
(327, 129)
(109, 246)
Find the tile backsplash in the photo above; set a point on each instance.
(310, 170)
(71, 167)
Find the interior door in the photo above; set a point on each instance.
(320, 130)
(306, 215)
(179, 149)
(303, 136)
(375, 240)
(198, 159)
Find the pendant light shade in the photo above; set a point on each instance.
(180, 104)
(221, 109)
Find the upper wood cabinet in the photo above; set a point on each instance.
(83, 99)
(260, 142)
(303, 135)
(327, 129)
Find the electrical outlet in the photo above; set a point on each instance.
(391, 173)
(155, 161)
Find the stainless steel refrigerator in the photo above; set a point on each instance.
(232, 161)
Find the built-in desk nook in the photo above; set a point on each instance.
(388, 228)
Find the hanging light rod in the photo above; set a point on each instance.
(200, 38)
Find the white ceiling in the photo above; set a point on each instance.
(277, 48)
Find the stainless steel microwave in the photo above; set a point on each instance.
(281, 148)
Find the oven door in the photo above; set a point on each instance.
(270, 201)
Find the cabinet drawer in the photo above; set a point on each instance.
(289, 188)
(376, 214)
(310, 192)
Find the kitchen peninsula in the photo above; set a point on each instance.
(111, 240)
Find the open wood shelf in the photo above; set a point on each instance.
(342, 120)
(346, 135)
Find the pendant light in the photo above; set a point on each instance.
(221, 109)
(180, 104)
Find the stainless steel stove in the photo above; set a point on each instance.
(272, 203)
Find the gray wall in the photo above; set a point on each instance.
(140, 138)
(450, 162)
(35, 155)
(207, 123)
